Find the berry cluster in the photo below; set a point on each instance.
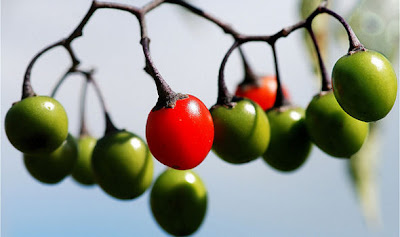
(258, 121)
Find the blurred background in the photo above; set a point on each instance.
(321, 198)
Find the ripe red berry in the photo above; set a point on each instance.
(263, 94)
(182, 136)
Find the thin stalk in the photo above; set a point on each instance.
(110, 127)
(83, 128)
(60, 82)
(27, 89)
(325, 82)
(280, 99)
(224, 97)
(249, 75)
(354, 43)
(167, 97)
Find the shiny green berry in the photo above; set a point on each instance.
(55, 166)
(179, 201)
(82, 171)
(365, 85)
(122, 165)
(241, 133)
(290, 144)
(36, 124)
(333, 130)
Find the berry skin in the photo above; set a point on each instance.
(122, 165)
(263, 94)
(290, 144)
(242, 132)
(36, 125)
(82, 171)
(53, 167)
(181, 137)
(365, 85)
(333, 130)
(178, 201)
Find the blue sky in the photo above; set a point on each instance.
(244, 200)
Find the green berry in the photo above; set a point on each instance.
(290, 144)
(36, 124)
(122, 165)
(333, 130)
(242, 132)
(179, 201)
(365, 85)
(55, 166)
(82, 171)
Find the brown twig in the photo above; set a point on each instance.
(271, 40)
(110, 127)
(167, 97)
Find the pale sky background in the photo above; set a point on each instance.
(244, 200)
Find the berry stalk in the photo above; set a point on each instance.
(249, 75)
(325, 82)
(280, 97)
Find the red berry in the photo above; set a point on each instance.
(263, 94)
(180, 137)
